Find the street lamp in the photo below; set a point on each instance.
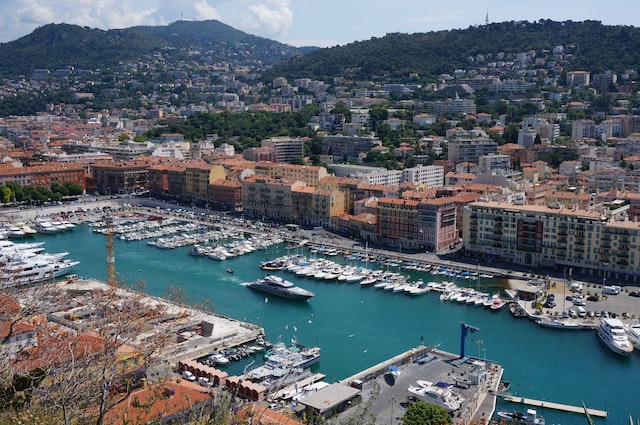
(479, 342)
(392, 400)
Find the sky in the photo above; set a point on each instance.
(322, 23)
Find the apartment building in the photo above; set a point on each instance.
(470, 150)
(398, 223)
(314, 207)
(269, 198)
(309, 174)
(43, 175)
(285, 148)
(226, 195)
(121, 177)
(430, 176)
(198, 178)
(589, 241)
(493, 162)
(342, 147)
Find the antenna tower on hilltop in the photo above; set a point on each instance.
(486, 18)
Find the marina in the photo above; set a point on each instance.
(358, 326)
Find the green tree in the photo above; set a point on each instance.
(74, 188)
(378, 114)
(422, 413)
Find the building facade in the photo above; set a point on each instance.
(470, 150)
(589, 241)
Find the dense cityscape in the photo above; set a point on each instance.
(521, 159)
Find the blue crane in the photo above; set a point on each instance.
(465, 329)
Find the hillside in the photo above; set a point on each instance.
(60, 45)
(595, 47)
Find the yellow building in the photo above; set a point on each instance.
(198, 180)
(309, 174)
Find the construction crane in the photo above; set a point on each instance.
(111, 258)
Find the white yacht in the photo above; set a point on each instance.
(16, 232)
(612, 333)
(439, 393)
(278, 286)
(46, 227)
(633, 332)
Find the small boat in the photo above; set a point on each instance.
(504, 386)
(517, 310)
(530, 418)
(218, 358)
(558, 324)
(229, 270)
(498, 304)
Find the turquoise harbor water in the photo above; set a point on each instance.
(359, 327)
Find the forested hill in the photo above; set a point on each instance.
(595, 46)
(56, 46)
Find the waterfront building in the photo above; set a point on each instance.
(269, 198)
(198, 179)
(314, 207)
(226, 195)
(112, 178)
(43, 174)
(348, 185)
(398, 223)
(554, 236)
(363, 225)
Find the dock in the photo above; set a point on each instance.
(555, 406)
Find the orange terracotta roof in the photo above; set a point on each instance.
(14, 328)
(149, 405)
(259, 414)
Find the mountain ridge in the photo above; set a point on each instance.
(54, 46)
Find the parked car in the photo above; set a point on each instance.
(549, 304)
(204, 381)
(593, 298)
(551, 297)
(634, 294)
(578, 302)
(188, 376)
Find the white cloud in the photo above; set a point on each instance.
(19, 17)
(269, 17)
(205, 11)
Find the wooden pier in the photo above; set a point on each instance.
(556, 406)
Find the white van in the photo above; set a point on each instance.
(611, 290)
(575, 287)
(581, 311)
